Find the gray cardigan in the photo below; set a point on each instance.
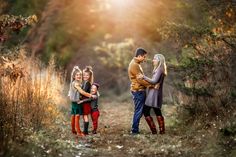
(73, 92)
(154, 96)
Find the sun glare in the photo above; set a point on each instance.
(119, 4)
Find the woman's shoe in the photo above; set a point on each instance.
(151, 124)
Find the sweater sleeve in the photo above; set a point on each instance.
(155, 78)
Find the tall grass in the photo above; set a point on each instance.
(29, 95)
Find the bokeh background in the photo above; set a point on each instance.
(41, 41)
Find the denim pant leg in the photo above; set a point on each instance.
(139, 101)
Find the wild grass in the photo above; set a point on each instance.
(29, 96)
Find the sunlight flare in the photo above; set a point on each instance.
(120, 3)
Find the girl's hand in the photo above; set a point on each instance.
(79, 102)
(94, 97)
(139, 76)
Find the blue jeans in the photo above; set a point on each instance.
(139, 101)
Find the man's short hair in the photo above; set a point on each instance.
(140, 51)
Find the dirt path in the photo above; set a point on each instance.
(114, 138)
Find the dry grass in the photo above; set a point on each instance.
(29, 95)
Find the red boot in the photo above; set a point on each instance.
(160, 120)
(73, 124)
(151, 124)
(77, 126)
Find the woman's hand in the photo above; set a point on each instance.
(140, 76)
(157, 86)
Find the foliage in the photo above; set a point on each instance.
(206, 73)
(11, 23)
(29, 94)
(116, 57)
(26, 7)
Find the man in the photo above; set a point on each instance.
(137, 87)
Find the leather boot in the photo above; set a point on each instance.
(151, 124)
(161, 123)
(73, 124)
(77, 126)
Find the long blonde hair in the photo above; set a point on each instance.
(162, 63)
(89, 70)
(75, 70)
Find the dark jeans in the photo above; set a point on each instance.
(139, 101)
(147, 109)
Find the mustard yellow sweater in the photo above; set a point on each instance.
(133, 70)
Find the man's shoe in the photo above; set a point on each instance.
(134, 132)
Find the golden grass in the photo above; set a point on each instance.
(29, 95)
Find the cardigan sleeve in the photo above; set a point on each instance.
(155, 78)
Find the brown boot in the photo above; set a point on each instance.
(73, 124)
(77, 126)
(151, 124)
(161, 123)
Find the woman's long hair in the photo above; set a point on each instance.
(89, 70)
(162, 63)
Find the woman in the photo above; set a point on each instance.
(154, 95)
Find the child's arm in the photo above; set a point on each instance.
(84, 100)
(93, 97)
(81, 91)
